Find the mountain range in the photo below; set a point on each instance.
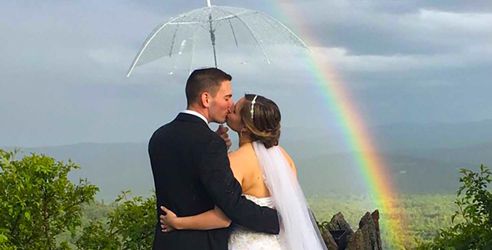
(419, 158)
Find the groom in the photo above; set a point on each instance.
(191, 168)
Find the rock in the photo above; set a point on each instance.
(367, 237)
(338, 222)
(325, 233)
(328, 239)
(356, 241)
(337, 225)
(375, 218)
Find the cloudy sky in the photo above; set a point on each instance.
(63, 66)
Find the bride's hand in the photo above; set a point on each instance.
(168, 221)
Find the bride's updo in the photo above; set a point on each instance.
(265, 125)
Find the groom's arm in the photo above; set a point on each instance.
(217, 177)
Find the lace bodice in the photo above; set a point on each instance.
(264, 202)
(245, 239)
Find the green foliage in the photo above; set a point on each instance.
(38, 202)
(130, 226)
(475, 209)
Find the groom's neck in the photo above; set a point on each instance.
(202, 111)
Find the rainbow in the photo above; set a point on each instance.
(371, 166)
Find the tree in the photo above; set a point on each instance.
(130, 226)
(475, 212)
(38, 201)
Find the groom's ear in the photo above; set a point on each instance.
(205, 99)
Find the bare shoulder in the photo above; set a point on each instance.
(239, 164)
(244, 156)
(236, 158)
(236, 155)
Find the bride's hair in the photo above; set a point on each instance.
(265, 125)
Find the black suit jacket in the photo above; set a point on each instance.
(191, 175)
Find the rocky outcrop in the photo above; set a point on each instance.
(338, 235)
(329, 240)
(338, 222)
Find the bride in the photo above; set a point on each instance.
(267, 175)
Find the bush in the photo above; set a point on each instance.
(474, 201)
(38, 202)
(130, 226)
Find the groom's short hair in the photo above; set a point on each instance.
(206, 79)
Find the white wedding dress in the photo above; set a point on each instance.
(245, 239)
(298, 230)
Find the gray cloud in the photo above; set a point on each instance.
(381, 28)
(63, 66)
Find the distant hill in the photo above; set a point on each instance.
(111, 167)
(404, 137)
(469, 155)
(338, 174)
(419, 140)
(419, 159)
(115, 167)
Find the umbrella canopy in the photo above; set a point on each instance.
(217, 31)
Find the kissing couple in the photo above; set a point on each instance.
(208, 199)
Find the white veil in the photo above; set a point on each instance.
(298, 230)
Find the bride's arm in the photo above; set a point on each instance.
(211, 219)
(208, 220)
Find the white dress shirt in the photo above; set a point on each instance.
(191, 112)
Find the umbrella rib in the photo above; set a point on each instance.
(150, 38)
(231, 15)
(180, 23)
(193, 49)
(233, 33)
(212, 37)
(146, 43)
(254, 36)
(173, 41)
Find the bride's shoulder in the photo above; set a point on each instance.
(239, 153)
(242, 154)
(233, 154)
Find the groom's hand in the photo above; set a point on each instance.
(222, 132)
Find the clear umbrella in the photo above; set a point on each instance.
(216, 33)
